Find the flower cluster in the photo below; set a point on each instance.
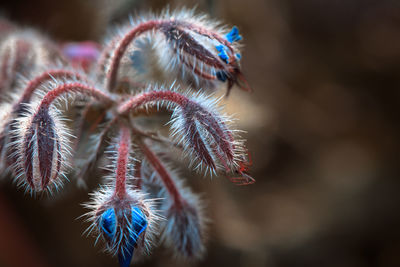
(70, 110)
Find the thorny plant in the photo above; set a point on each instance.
(116, 98)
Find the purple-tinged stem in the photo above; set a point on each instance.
(208, 122)
(123, 45)
(168, 25)
(162, 173)
(35, 82)
(52, 95)
(192, 111)
(147, 97)
(124, 146)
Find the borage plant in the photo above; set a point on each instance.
(116, 100)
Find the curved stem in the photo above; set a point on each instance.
(122, 161)
(48, 75)
(70, 88)
(123, 45)
(147, 97)
(162, 173)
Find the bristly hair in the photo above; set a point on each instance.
(193, 47)
(198, 124)
(185, 227)
(139, 188)
(102, 199)
(40, 159)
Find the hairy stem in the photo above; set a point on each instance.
(76, 87)
(48, 75)
(123, 45)
(162, 173)
(147, 97)
(122, 161)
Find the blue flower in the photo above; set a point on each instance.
(233, 35)
(107, 223)
(135, 226)
(222, 53)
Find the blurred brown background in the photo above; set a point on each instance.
(322, 127)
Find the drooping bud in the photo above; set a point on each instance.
(185, 226)
(181, 44)
(201, 51)
(204, 132)
(126, 224)
(121, 215)
(184, 230)
(22, 52)
(42, 147)
(198, 125)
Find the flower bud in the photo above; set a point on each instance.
(126, 224)
(204, 133)
(121, 229)
(22, 52)
(200, 51)
(185, 225)
(42, 148)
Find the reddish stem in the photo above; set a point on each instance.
(73, 87)
(144, 98)
(34, 83)
(122, 161)
(123, 45)
(144, 27)
(162, 173)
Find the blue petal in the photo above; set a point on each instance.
(107, 223)
(223, 55)
(233, 35)
(124, 259)
(220, 48)
(139, 224)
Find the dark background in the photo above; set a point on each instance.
(322, 127)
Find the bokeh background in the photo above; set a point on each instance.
(322, 128)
